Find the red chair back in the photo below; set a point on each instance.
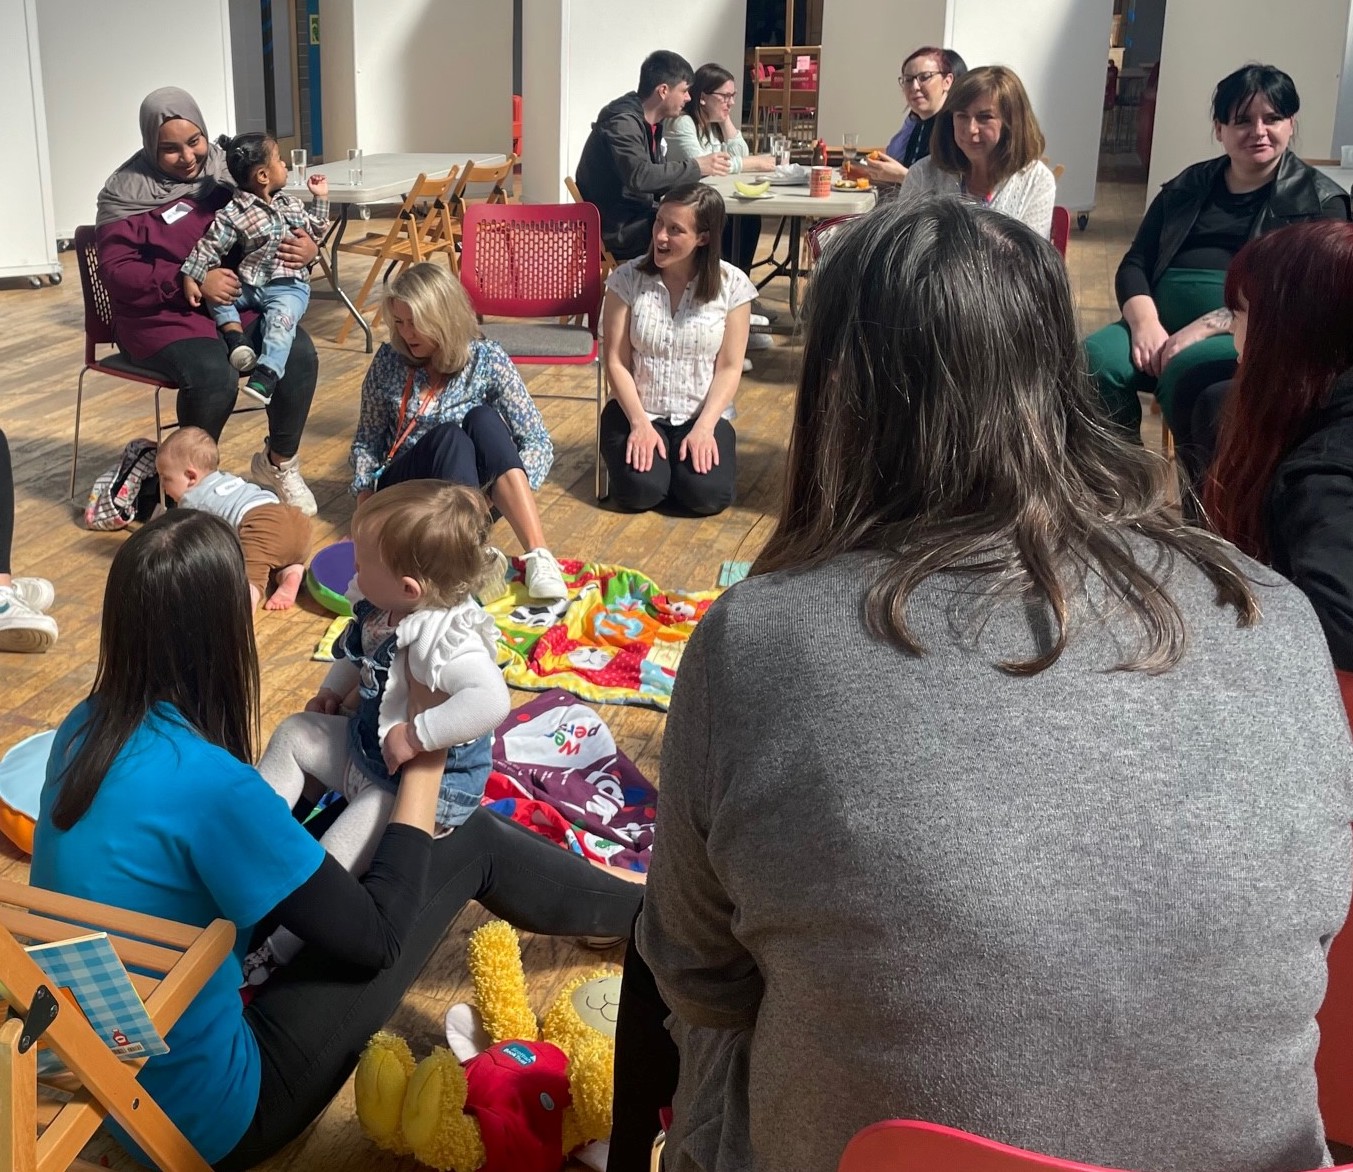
(98, 305)
(533, 260)
(1061, 229)
(821, 230)
(908, 1145)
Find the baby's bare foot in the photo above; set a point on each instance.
(288, 585)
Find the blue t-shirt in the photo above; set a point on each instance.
(183, 830)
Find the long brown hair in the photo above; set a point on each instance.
(708, 78)
(440, 308)
(709, 216)
(177, 630)
(945, 419)
(1296, 286)
(1021, 140)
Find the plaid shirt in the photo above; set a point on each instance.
(259, 226)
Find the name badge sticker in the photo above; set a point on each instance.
(177, 212)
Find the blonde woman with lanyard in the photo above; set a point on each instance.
(439, 402)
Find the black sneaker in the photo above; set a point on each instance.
(242, 356)
(261, 385)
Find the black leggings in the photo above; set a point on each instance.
(671, 480)
(6, 505)
(475, 452)
(312, 1019)
(208, 386)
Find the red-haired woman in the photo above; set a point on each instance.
(1281, 487)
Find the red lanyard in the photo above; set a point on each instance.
(425, 401)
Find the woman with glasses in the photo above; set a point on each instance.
(925, 79)
(708, 126)
(987, 146)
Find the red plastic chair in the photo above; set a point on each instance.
(534, 262)
(99, 332)
(1061, 229)
(821, 231)
(908, 1145)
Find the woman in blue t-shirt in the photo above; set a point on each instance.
(150, 804)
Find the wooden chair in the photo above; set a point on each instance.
(499, 179)
(536, 262)
(908, 1145)
(45, 1136)
(608, 262)
(415, 235)
(99, 332)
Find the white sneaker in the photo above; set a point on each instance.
(243, 358)
(285, 480)
(759, 342)
(35, 593)
(746, 365)
(494, 583)
(544, 580)
(760, 319)
(22, 628)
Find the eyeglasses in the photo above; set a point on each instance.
(725, 97)
(907, 80)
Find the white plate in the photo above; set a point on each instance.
(750, 198)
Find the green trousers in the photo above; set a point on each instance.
(1181, 296)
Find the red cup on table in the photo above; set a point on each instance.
(820, 181)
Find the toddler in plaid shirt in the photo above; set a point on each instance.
(259, 216)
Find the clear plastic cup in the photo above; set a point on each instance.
(354, 166)
(298, 161)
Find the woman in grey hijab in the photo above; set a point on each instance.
(152, 210)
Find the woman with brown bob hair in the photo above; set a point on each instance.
(987, 146)
(916, 835)
(676, 322)
(440, 402)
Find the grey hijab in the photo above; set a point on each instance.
(139, 185)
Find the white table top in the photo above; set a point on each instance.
(1343, 176)
(389, 177)
(790, 201)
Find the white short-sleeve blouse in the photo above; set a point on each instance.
(673, 355)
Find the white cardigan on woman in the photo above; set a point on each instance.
(1027, 195)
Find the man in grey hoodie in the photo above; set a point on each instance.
(624, 168)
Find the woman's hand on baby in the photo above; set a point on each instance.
(219, 287)
(644, 440)
(326, 700)
(401, 745)
(297, 250)
(700, 446)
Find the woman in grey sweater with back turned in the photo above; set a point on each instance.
(994, 797)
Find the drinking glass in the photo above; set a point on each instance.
(850, 145)
(354, 166)
(779, 147)
(298, 158)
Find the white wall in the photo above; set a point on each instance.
(1343, 115)
(27, 235)
(416, 75)
(98, 63)
(1059, 49)
(863, 45)
(577, 55)
(1207, 39)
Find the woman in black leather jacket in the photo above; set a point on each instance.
(1174, 337)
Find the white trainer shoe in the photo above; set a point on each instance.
(544, 579)
(494, 583)
(243, 358)
(285, 480)
(22, 628)
(35, 593)
(760, 342)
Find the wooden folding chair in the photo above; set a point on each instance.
(43, 1136)
(414, 236)
(608, 262)
(499, 179)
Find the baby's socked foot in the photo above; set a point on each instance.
(288, 586)
(259, 965)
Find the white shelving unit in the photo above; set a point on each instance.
(27, 221)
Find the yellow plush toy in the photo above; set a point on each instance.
(521, 1105)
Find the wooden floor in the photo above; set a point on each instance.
(40, 348)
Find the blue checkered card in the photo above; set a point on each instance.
(89, 971)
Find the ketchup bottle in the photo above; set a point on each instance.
(819, 153)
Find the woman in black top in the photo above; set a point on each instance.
(1174, 337)
(926, 78)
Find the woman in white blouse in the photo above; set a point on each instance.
(988, 146)
(676, 322)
